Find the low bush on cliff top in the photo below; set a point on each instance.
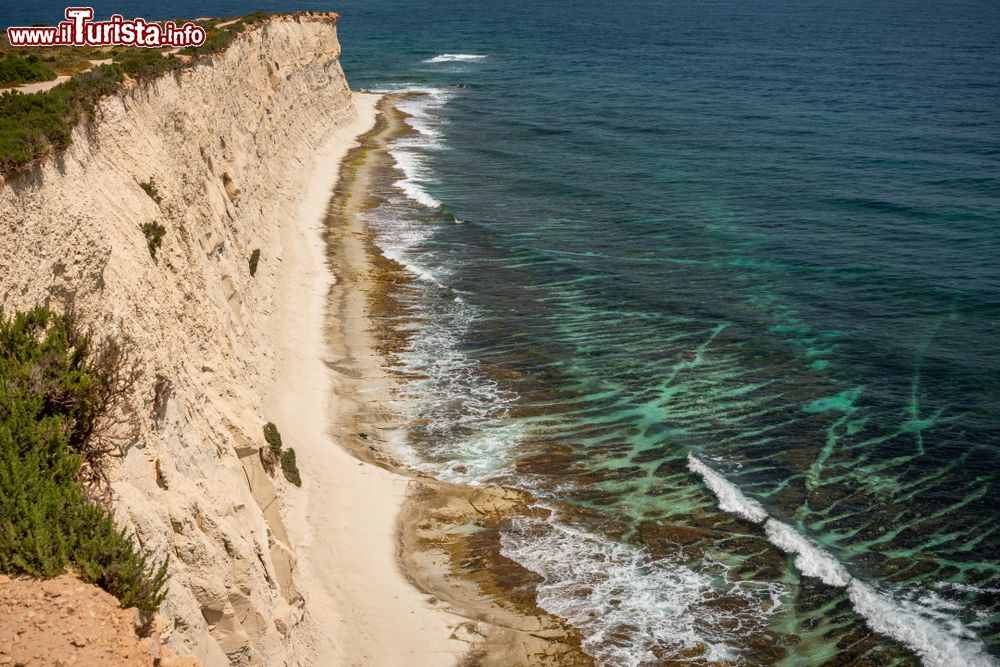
(32, 126)
(59, 391)
(220, 34)
(14, 69)
(37, 124)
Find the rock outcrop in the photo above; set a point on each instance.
(225, 144)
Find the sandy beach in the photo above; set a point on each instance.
(343, 521)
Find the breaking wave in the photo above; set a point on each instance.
(410, 152)
(632, 609)
(940, 639)
(455, 58)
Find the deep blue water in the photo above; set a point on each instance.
(718, 281)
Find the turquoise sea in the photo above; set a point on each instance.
(719, 282)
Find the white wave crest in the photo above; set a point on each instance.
(455, 57)
(731, 499)
(938, 647)
(410, 152)
(398, 235)
(939, 639)
(411, 187)
(422, 112)
(811, 560)
(415, 174)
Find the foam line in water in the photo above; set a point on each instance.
(465, 433)
(967, 588)
(938, 640)
(936, 646)
(731, 499)
(631, 608)
(409, 164)
(455, 57)
(811, 560)
(410, 152)
(397, 239)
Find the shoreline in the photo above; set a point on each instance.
(486, 600)
(342, 523)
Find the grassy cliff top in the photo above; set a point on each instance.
(35, 125)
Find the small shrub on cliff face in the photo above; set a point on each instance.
(272, 437)
(254, 258)
(153, 231)
(149, 187)
(59, 392)
(290, 467)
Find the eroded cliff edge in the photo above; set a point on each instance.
(226, 144)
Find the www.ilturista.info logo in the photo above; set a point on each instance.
(79, 30)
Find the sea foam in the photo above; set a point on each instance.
(410, 152)
(455, 58)
(628, 606)
(731, 499)
(940, 641)
(463, 411)
(414, 173)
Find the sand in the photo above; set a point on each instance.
(343, 522)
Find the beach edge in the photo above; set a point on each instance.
(343, 522)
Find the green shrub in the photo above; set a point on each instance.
(32, 126)
(272, 437)
(219, 39)
(290, 467)
(58, 395)
(149, 187)
(254, 258)
(145, 64)
(153, 231)
(15, 69)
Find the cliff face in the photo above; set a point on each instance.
(225, 144)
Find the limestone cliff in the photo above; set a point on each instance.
(225, 143)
